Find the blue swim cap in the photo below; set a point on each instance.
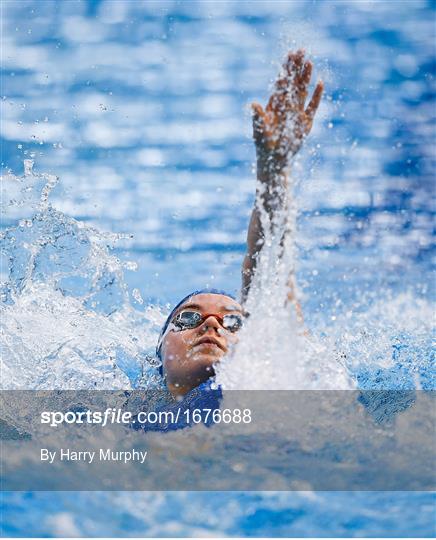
(182, 301)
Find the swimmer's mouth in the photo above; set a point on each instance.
(210, 340)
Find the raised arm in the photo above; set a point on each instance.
(278, 133)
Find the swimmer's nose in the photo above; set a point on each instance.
(213, 328)
(210, 322)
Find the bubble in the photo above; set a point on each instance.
(28, 167)
(137, 296)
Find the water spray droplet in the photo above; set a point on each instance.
(137, 296)
(28, 167)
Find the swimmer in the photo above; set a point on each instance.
(200, 329)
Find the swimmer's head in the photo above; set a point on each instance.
(196, 335)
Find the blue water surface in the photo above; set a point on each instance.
(141, 109)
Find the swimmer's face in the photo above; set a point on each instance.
(188, 355)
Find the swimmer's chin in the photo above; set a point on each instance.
(208, 356)
(204, 363)
(206, 359)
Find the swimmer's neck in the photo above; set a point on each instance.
(179, 391)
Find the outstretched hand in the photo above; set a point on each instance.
(280, 129)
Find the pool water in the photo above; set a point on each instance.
(141, 111)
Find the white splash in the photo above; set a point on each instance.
(275, 350)
(66, 317)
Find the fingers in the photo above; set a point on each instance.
(286, 86)
(258, 122)
(276, 102)
(307, 73)
(294, 62)
(288, 100)
(257, 110)
(299, 73)
(303, 83)
(314, 102)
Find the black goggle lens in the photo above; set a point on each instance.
(187, 319)
(232, 322)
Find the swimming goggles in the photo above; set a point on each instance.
(187, 319)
